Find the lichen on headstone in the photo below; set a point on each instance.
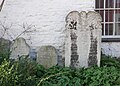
(72, 21)
(92, 60)
(83, 39)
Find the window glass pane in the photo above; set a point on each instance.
(109, 15)
(102, 14)
(109, 29)
(102, 29)
(117, 29)
(109, 3)
(112, 16)
(99, 3)
(117, 4)
(117, 15)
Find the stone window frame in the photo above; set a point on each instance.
(110, 12)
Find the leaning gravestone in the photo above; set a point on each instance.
(83, 39)
(47, 56)
(19, 48)
(4, 46)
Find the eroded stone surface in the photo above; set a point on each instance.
(19, 48)
(47, 56)
(4, 46)
(83, 39)
(71, 54)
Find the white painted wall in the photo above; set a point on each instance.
(46, 17)
(47, 20)
(111, 49)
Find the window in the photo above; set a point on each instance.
(110, 12)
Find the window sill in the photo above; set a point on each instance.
(110, 39)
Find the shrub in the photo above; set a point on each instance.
(18, 73)
(106, 75)
(110, 61)
(94, 76)
(26, 72)
(8, 74)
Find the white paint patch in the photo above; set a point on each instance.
(46, 17)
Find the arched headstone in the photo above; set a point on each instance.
(19, 48)
(83, 39)
(47, 56)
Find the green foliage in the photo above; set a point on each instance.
(25, 72)
(106, 75)
(8, 74)
(40, 71)
(18, 73)
(110, 61)
(4, 54)
(94, 76)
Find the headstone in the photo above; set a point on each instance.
(19, 48)
(47, 56)
(83, 39)
(4, 46)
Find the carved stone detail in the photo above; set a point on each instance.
(83, 38)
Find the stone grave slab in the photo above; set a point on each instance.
(47, 56)
(19, 48)
(83, 39)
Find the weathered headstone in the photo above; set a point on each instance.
(19, 48)
(4, 46)
(47, 56)
(83, 39)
